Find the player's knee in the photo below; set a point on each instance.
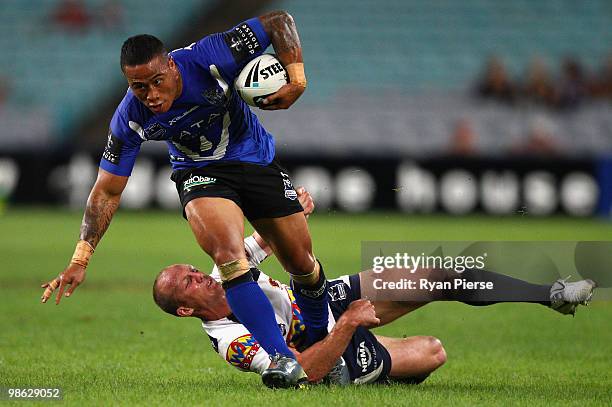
(436, 351)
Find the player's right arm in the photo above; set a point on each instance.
(116, 166)
(320, 358)
(101, 205)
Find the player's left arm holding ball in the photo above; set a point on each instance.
(281, 29)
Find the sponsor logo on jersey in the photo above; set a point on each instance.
(155, 132)
(242, 42)
(112, 150)
(174, 120)
(214, 96)
(364, 357)
(197, 181)
(242, 351)
(337, 292)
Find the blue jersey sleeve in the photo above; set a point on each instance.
(230, 51)
(122, 146)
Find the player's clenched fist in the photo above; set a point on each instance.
(73, 276)
(362, 313)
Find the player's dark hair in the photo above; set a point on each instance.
(166, 302)
(140, 49)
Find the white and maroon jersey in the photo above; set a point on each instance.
(367, 361)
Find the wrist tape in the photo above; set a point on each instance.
(82, 253)
(296, 74)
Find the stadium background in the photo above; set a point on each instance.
(398, 137)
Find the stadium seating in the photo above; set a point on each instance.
(395, 76)
(73, 73)
(399, 124)
(395, 71)
(424, 44)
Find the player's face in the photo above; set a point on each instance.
(201, 292)
(156, 84)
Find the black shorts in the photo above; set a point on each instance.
(367, 360)
(261, 191)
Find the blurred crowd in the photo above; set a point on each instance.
(540, 139)
(567, 89)
(74, 16)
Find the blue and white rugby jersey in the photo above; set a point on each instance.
(208, 122)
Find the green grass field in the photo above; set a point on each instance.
(108, 344)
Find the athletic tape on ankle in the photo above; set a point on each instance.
(296, 74)
(308, 279)
(82, 253)
(233, 269)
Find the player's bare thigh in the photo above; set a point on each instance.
(389, 311)
(290, 240)
(413, 356)
(218, 225)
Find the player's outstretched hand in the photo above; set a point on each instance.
(282, 98)
(72, 276)
(362, 313)
(305, 200)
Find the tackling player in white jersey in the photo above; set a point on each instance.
(350, 353)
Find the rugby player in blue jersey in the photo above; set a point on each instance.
(224, 169)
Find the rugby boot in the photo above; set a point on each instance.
(338, 374)
(284, 373)
(565, 297)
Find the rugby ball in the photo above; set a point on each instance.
(260, 78)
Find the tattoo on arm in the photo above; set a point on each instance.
(97, 217)
(280, 27)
